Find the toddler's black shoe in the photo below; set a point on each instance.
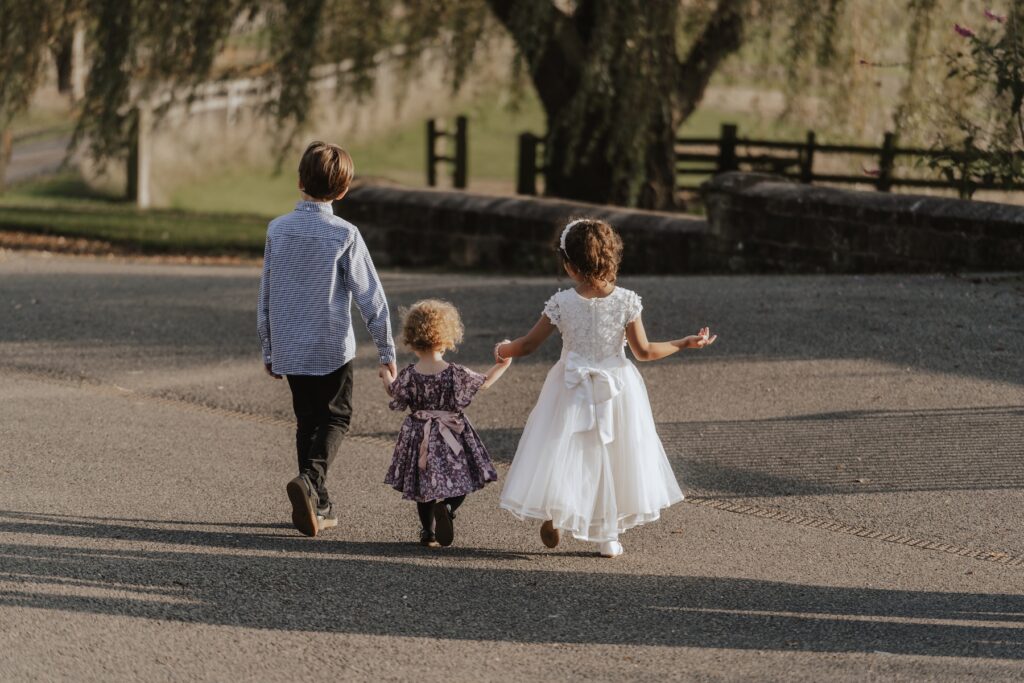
(443, 528)
(427, 539)
(326, 517)
(303, 500)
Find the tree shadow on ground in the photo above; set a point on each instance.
(326, 589)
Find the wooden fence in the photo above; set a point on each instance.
(458, 159)
(882, 167)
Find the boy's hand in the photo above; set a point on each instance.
(270, 371)
(387, 376)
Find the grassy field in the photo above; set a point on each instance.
(64, 205)
(400, 157)
(227, 212)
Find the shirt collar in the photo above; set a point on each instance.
(315, 207)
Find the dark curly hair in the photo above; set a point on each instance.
(593, 248)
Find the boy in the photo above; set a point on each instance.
(314, 263)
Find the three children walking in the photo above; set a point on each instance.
(589, 462)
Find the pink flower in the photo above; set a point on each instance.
(963, 31)
(992, 16)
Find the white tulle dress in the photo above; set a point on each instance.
(590, 458)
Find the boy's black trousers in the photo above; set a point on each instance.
(323, 411)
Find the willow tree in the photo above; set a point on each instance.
(616, 78)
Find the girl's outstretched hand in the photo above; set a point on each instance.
(701, 339)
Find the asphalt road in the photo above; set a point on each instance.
(36, 157)
(851, 449)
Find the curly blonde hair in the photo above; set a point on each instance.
(594, 250)
(431, 325)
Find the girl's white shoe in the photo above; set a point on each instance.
(611, 549)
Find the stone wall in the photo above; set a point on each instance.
(756, 223)
(440, 228)
(760, 223)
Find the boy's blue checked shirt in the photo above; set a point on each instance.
(314, 264)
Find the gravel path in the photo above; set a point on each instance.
(851, 449)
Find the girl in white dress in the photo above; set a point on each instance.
(590, 461)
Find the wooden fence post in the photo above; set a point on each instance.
(139, 157)
(526, 173)
(460, 172)
(431, 154)
(885, 163)
(807, 160)
(727, 148)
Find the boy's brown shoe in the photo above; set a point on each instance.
(303, 500)
(549, 535)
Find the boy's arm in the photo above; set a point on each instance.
(362, 281)
(263, 307)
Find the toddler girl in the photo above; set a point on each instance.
(590, 461)
(439, 457)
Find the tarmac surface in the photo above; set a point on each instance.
(851, 449)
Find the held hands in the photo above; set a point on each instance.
(699, 340)
(498, 358)
(387, 374)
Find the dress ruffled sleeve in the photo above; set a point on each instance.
(634, 306)
(400, 391)
(551, 310)
(467, 383)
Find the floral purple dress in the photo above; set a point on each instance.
(454, 461)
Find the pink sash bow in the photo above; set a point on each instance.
(448, 424)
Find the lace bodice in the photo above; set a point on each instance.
(593, 328)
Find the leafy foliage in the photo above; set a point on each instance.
(616, 77)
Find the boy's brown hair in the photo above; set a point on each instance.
(325, 170)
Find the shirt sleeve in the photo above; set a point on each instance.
(467, 383)
(362, 281)
(551, 310)
(263, 306)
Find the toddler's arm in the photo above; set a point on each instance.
(647, 350)
(526, 344)
(495, 373)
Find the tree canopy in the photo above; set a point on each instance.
(616, 77)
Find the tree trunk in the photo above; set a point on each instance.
(579, 153)
(589, 178)
(6, 145)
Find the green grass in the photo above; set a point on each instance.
(64, 205)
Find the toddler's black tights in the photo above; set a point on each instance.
(426, 510)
